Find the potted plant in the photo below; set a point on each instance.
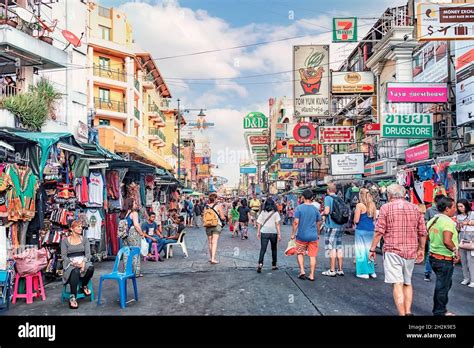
(8, 21)
(47, 39)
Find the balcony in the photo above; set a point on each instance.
(9, 91)
(113, 74)
(165, 104)
(156, 115)
(112, 108)
(136, 112)
(156, 137)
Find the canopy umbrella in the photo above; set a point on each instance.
(196, 194)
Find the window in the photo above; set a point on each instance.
(104, 122)
(104, 32)
(104, 63)
(104, 12)
(104, 94)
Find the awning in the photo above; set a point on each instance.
(132, 166)
(146, 153)
(462, 167)
(15, 140)
(65, 141)
(98, 152)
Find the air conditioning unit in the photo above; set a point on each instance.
(469, 138)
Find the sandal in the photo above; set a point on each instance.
(139, 276)
(302, 276)
(310, 279)
(275, 268)
(259, 268)
(214, 262)
(73, 303)
(86, 290)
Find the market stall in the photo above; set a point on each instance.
(464, 177)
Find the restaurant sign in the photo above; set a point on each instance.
(304, 150)
(336, 134)
(407, 126)
(418, 153)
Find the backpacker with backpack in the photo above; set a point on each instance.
(340, 211)
(123, 228)
(210, 217)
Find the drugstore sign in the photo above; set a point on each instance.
(418, 126)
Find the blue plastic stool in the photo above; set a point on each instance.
(122, 277)
(66, 294)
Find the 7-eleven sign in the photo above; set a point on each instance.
(344, 29)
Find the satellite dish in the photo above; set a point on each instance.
(71, 38)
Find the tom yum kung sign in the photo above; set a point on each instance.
(417, 92)
(418, 126)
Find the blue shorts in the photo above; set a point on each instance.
(333, 238)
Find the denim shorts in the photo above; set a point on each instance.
(213, 230)
(333, 238)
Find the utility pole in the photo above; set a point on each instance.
(179, 143)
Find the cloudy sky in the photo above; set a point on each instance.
(221, 81)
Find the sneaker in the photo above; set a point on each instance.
(340, 273)
(373, 275)
(427, 277)
(329, 273)
(363, 276)
(471, 285)
(465, 282)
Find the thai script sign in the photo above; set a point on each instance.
(336, 134)
(407, 126)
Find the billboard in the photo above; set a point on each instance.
(430, 63)
(398, 92)
(336, 134)
(344, 29)
(347, 163)
(464, 82)
(444, 21)
(311, 80)
(350, 82)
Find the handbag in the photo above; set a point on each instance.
(464, 243)
(31, 261)
(143, 247)
(291, 248)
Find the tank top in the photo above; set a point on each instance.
(365, 223)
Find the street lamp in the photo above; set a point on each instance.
(202, 115)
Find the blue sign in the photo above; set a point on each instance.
(248, 170)
(286, 166)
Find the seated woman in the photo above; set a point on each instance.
(78, 270)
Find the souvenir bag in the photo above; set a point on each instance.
(291, 248)
(31, 261)
(143, 247)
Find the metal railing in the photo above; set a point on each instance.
(165, 104)
(8, 91)
(112, 105)
(155, 109)
(136, 112)
(114, 74)
(137, 85)
(157, 132)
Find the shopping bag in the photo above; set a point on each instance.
(30, 261)
(144, 247)
(291, 248)
(231, 227)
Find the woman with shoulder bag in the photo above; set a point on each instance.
(268, 230)
(78, 270)
(465, 225)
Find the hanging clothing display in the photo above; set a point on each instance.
(428, 187)
(149, 197)
(96, 189)
(113, 184)
(111, 227)
(95, 223)
(21, 198)
(4, 185)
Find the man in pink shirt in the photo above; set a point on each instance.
(403, 229)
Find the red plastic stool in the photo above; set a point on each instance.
(34, 287)
(154, 255)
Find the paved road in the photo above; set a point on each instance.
(192, 286)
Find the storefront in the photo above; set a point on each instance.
(463, 174)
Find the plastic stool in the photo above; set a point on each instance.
(155, 256)
(80, 294)
(34, 287)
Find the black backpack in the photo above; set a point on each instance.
(340, 211)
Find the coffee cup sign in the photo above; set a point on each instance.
(255, 120)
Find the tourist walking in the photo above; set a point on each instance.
(234, 219)
(305, 229)
(364, 217)
(244, 218)
(465, 226)
(213, 218)
(268, 230)
(255, 205)
(443, 253)
(337, 214)
(403, 229)
(429, 214)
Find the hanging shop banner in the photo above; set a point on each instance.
(281, 131)
(248, 170)
(372, 129)
(304, 132)
(282, 146)
(311, 80)
(418, 126)
(444, 21)
(258, 140)
(288, 175)
(417, 92)
(464, 82)
(347, 163)
(255, 120)
(418, 152)
(304, 150)
(350, 82)
(344, 29)
(336, 134)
